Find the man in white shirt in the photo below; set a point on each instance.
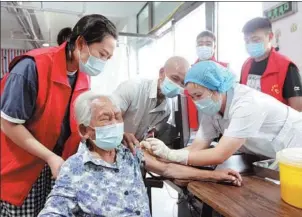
(146, 103)
(244, 116)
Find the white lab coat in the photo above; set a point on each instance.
(137, 100)
(267, 124)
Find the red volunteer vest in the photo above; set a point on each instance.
(192, 110)
(19, 169)
(273, 78)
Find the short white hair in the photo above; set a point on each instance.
(82, 106)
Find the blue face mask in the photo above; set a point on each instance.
(170, 89)
(255, 50)
(109, 137)
(208, 106)
(93, 67)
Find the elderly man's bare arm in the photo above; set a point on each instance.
(177, 171)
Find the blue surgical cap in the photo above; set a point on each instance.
(211, 75)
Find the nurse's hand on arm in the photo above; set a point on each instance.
(177, 171)
(225, 148)
(206, 133)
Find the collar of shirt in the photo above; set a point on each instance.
(164, 106)
(230, 95)
(89, 158)
(153, 89)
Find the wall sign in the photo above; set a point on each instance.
(281, 10)
(293, 27)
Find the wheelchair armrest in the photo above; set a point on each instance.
(153, 183)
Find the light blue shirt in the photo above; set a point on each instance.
(88, 186)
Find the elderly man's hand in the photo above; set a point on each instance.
(227, 175)
(130, 141)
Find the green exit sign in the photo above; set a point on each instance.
(280, 11)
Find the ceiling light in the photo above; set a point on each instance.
(45, 45)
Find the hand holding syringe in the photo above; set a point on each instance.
(146, 145)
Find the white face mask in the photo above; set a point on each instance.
(204, 52)
(93, 67)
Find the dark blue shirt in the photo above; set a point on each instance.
(20, 94)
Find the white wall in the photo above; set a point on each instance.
(117, 68)
(8, 43)
(232, 16)
(10, 27)
(290, 42)
(115, 72)
(130, 27)
(186, 31)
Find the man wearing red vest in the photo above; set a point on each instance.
(38, 129)
(267, 70)
(206, 46)
(205, 49)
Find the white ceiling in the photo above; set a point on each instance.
(57, 15)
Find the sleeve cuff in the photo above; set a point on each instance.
(236, 134)
(12, 120)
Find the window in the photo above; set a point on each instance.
(186, 31)
(161, 10)
(231, 18)
(153, 14)
(143, 20)
(153, 56)
(146, 59)
(164, 49)
(115, 71)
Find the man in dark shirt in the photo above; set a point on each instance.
(258, 36)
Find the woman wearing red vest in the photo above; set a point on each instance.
(63, 35)
(38, 130)
(267, 70)
(205, 49)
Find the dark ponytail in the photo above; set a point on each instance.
(64, 35)
(93, 28)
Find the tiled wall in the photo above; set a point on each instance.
(7, 55)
